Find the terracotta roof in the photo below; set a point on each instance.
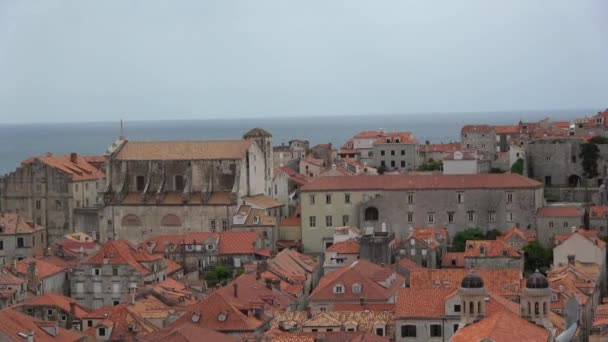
(421, 303)
(121, 252)
(291, 222)
(314, 161)
(262, 201)
(172, 266)
(491, 249)
(413, 182)
(350, 246)
(237, 242)
(119, 318)
(57, 300)
(477, 129)
(175, 291)
(560, 211)
(514, 231)
(504, 282)
(95, 159)
(432, 237)
(404, 138)
(73, 165)
(362, 272)
(503, 326)
(184, 150)
(229, 242)
(189, 332)
(294, 176)
(452, 259)
(14, 322)
(327, 146)
(257, 133)
(368, 134)
(408, 264)
(441, 148)
(598, 212)
(561, 124)
(44, 268)
(13, 223)
(591, 235)
(390, 307)
(507, 129)
(292, 266)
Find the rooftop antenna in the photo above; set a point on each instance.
(122, 130)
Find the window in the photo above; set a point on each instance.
(33, 240)
(338, 289)
(86, 186)
(101, 331)
(312, 199)
(89, 323)
(509, 216)
(313, 221)
(402, 152)
(410, 198)
(382, 163)
(431, 217)
(380, 331)
(547, 180)
(1, 245)
(392, 163)
(450, 216)
(86, 202)
(455, 327)
(76, 187)
(574, 159)
(213, 226)
(410, 217)
(460, 197)
(435, 330)
(381, 152)
(491, 216)
(408, 331)
(140, 183)
(224, 225)
(548, 158)
(550, 224)
(77, 204)
(456, 307)
(345, 220)
(115, 271)
(96, 271)
(403, 163)
(116, 302)
(20, 243)
(179, 183)
(371, 214)
(470, 216)
(509, 197)
(58, 205)
(327, 199)
(565, 224)
(38, 205)
(328, 221)
(347, 198)
(357, 288)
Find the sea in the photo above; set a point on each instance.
(20, 141)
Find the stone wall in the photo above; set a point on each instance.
(396, 156)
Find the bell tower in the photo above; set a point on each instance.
(473, 295)
(536, 300)
(263, 139)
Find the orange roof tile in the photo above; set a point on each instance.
(189, 332)
(262, 201)
(292, 266)
(350, 246)
(598, 212)
(452, 259)
(44, 269)
(391, 138)
(184, 150)
(418, 181)
(504, 282)
(507, 129)
(560, 211)
(561, 124)
(229, 242)
(368, 135)
(362, 272)
(13, 223)
(121, 252)
(59, 301)
(390, 307)
(591, 235)
(441, 148)
(490, 248)
(119, 318)
(73, 165)
(503, 326)
(14, 322)
(421, 303)
(408, 264)
(477, 129)
(528, 236)
(291, 222)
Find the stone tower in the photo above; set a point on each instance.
(536, 300)
(263, 139)
(473, 295)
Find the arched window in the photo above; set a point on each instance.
(171, 220)
(371, 214)
(478, 308)
(131, 220)
(536, 309)
(471, 308)
(544, 308)
(179, 183)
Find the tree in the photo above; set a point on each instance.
(599, 140)
(492, 234)
(589, 156)
(537, 257)
(518, 167)
(460, 239)
(381, 170)
(219, 274)
(431, 165)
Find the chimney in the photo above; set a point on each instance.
(235, 287)
(73, 157)
(73, 309)
(573, 229)
(571, 259)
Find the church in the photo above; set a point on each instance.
(176, 187)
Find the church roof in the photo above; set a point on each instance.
(184, 150)
(257, 133)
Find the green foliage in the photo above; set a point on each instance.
(381, 170)
(460, 239)
(599, 140)
(492, 234)
(496, 170)
(431, 165)
(518, 167)
(219, 274)
(537, 257)
(589, 155)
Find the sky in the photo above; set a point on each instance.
(79, 60)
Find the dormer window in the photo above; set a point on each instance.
(256, 220)
(210, 247)
(339, 289)
(397, 140)
(482, 251)
(222, 316)
(388, 140)
(357, 288)
(101, 331)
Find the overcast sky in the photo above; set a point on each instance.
(103, 60)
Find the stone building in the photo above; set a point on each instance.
(435, 152)
(25, 328)
(169, 187)
(481, 138)
(114, 273)
(584, 246)
(462, 163)
(289, 155)
(55, 307)
(426, 246)
(377, 246)
(19, 237)
(13, 289)
(598, 219)
(56, 192)
(517, 238)
(554, 220)
(457, 202)
(326, 152)
(340, 254)
(556, 162)
(42, 276)
(395, 151)
(312, 167)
